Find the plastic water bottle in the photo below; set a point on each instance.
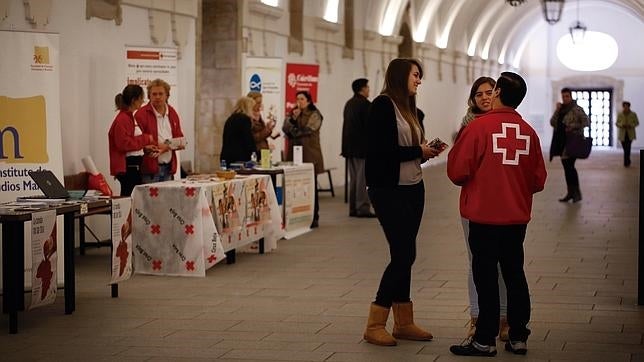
(253, 157)
(222, 165)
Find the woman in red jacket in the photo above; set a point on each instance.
(126, 141)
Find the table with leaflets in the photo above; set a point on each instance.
(13, 220)
(184, 227)
(296, 186)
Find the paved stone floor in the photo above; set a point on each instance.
(308, 301)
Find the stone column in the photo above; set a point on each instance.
(220, 81)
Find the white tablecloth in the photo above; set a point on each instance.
(183, 227)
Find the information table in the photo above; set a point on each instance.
(297, 186)
(184, 227)
(13, 254)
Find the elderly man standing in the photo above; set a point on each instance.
(354, 149)
(160, 120)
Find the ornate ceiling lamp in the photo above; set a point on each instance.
(552, 10)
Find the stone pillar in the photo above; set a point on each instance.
(220, 81)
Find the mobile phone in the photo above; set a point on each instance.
(438, 144)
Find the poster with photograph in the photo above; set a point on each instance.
(43, 258)
(229, 213)
(121, 240)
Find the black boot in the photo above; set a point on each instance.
(568, 197)
(576, 194)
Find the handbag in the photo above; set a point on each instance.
(578, 146)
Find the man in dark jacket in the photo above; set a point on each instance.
(354, 148)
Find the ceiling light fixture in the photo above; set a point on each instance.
(578, 30)
(552, 10)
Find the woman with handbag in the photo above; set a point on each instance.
(568, 122)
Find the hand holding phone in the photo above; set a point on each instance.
(438, 145)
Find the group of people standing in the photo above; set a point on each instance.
(246, 133)
(497, 161)
(140, 137)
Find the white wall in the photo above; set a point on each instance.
(92, 58)
(541, 63)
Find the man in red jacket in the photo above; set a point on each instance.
(498, 162)
(160, 120)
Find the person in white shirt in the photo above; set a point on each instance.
(160, 120)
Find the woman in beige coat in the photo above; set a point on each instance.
(302, 127)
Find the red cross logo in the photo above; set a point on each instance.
(212, 258)
(510, 144)
(155, 229)
(190, 265)
(156, 264)
(190, 191)
(190, 229)
(154, 191)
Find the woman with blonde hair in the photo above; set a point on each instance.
(238, 144)
(261, 130)
(396, 147)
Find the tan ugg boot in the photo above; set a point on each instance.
(504, 329)
(376, 332)
(471, 329)
(404, 327)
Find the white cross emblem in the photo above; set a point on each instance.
(507, 144)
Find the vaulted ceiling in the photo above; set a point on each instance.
(489, 29)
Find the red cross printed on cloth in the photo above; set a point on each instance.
(155, 229)
(156, 264)
(190, 229)
(190, 191)
(190, 265)
(154, 191)
(212, 258)
(510, 143)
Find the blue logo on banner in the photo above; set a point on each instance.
(255, 83)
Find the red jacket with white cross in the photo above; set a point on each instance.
(498, 162)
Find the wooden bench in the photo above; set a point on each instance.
(330, 189)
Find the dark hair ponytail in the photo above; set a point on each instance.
(130, 93)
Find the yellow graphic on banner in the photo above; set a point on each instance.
(23, 130)
(41, 55)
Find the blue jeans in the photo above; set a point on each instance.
(163, 174)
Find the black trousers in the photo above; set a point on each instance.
(316, 204)
(399, 210)
(492, 245)
(132, 175)
(570, 172)
(626, 145)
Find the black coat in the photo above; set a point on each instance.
(384, 155)
(354, 128)
(238, 143)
